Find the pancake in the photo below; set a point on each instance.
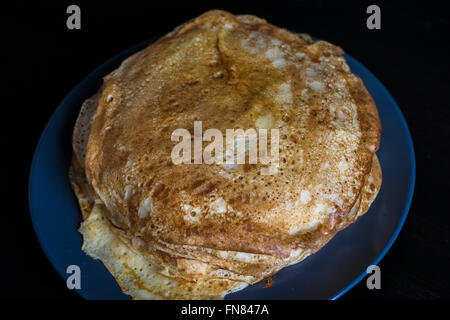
(201, 231)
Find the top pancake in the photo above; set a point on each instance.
(233, 72)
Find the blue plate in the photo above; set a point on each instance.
(328, 274)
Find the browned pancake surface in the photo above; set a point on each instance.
(232, 72)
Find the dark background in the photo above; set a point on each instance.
(43, 60)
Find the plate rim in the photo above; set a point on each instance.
(131, 50)
(412, 182)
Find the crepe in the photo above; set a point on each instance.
(201, 231)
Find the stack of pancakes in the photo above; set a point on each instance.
(201, 231)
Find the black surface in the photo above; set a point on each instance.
(43, 60)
